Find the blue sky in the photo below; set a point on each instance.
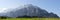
(49, 5)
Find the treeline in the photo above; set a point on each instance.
(5, 17)
(25, 16)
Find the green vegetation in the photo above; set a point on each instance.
(27, 18)
(49, 18)
(31, 19)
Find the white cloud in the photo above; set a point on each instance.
(3, 9)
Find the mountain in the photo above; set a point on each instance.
(29, 10)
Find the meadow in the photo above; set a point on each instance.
(31, 19)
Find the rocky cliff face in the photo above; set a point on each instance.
(30, 10)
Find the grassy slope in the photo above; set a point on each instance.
(31, 19)
(49, 18)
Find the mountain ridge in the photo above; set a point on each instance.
(30, 10)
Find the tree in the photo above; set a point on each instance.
(25, 16)
(3, 17)
(34, 16)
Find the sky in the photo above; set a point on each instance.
(49, 5)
